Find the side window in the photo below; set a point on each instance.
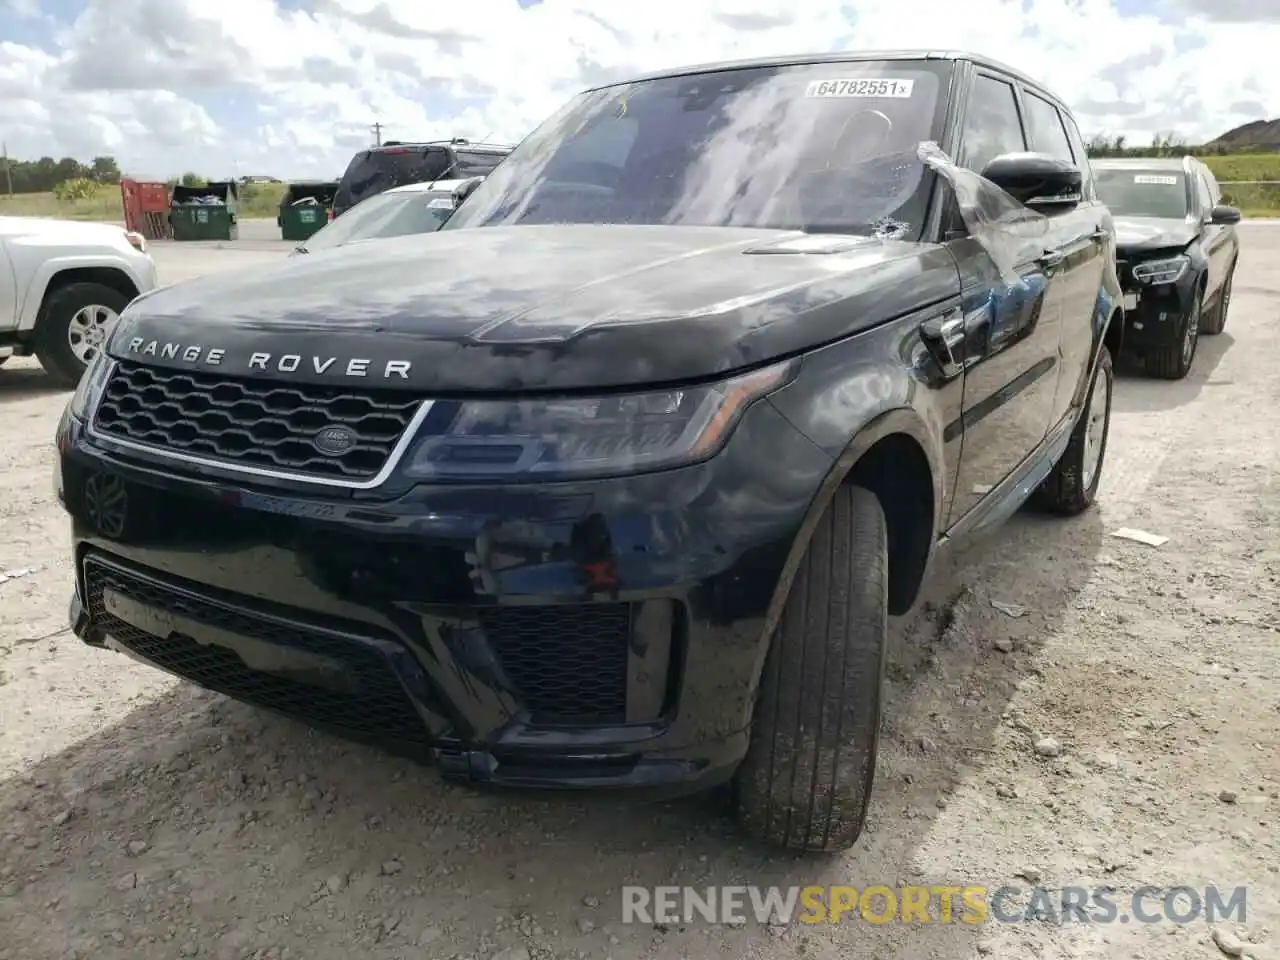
(1215, 191)
(992, 126)
(1204, 193)
(1081, 155)
(1045, 129)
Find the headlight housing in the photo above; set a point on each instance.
(571, 437)
(1169, 270)
(89, 389)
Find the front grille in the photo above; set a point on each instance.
(257, 423)
(378, 708)
(567, 663)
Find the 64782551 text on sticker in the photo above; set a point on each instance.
(861, 87)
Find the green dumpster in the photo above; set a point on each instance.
(204, 213)
(305, 207)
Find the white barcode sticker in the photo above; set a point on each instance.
(1151, 178)
(440, 203)
(860, 87)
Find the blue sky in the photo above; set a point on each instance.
(290, 87)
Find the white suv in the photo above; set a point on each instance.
(62, 286)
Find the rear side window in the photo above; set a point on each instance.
(1044, 127)
(373, 171)
(992, 126)
(474, 163)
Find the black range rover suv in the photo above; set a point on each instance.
(613, 481)
(1177, 247)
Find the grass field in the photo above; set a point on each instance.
(256, 200)
(1245, 166)
(263, 200)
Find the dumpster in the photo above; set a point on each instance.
(305, 208)
(204, 213)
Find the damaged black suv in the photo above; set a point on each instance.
(614, 481)
(1176, 250)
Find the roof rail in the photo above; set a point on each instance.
(464, 142)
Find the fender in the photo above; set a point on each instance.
(1107, 315)
(31, 299)
(900, 420)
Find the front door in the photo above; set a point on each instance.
(8, 293)
(1011, 331)
(1214, 237)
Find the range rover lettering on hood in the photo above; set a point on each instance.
(272, 362)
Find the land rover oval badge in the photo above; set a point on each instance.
(334, 441)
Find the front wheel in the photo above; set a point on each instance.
(806, 781)
(74, 326)
(1073, 484)
(1172, 361)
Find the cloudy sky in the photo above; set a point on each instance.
(290, 87)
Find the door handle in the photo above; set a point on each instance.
(1050, 259)
(943, 336)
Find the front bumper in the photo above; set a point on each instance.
(1153, 312)
(607, 633)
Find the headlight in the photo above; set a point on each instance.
(136, 240)
(89, 389)
(1161, 271)
(576, 437)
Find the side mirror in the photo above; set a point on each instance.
(465, 189)
(1223, 215)
(1044, 183)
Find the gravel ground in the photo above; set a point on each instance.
(1119, 729)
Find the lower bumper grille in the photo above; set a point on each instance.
(568, 664)
(373, 704)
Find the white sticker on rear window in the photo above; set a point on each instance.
(860, 87)
(440, 203)
(1151, 178)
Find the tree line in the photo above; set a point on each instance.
(43, 175)
(46, 174)
(1166, 145)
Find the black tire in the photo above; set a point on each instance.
(1067, 490)
(1172, 361)
(52, 347)
(806, 780)
(1213, 323)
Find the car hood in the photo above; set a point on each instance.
(537, 307)
(1141, 234)
(60, 232)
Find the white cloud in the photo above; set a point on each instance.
(170, 85)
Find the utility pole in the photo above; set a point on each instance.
(377, 134)
(8, 167)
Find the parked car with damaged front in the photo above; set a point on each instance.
(1177, 248)
(614, 481)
